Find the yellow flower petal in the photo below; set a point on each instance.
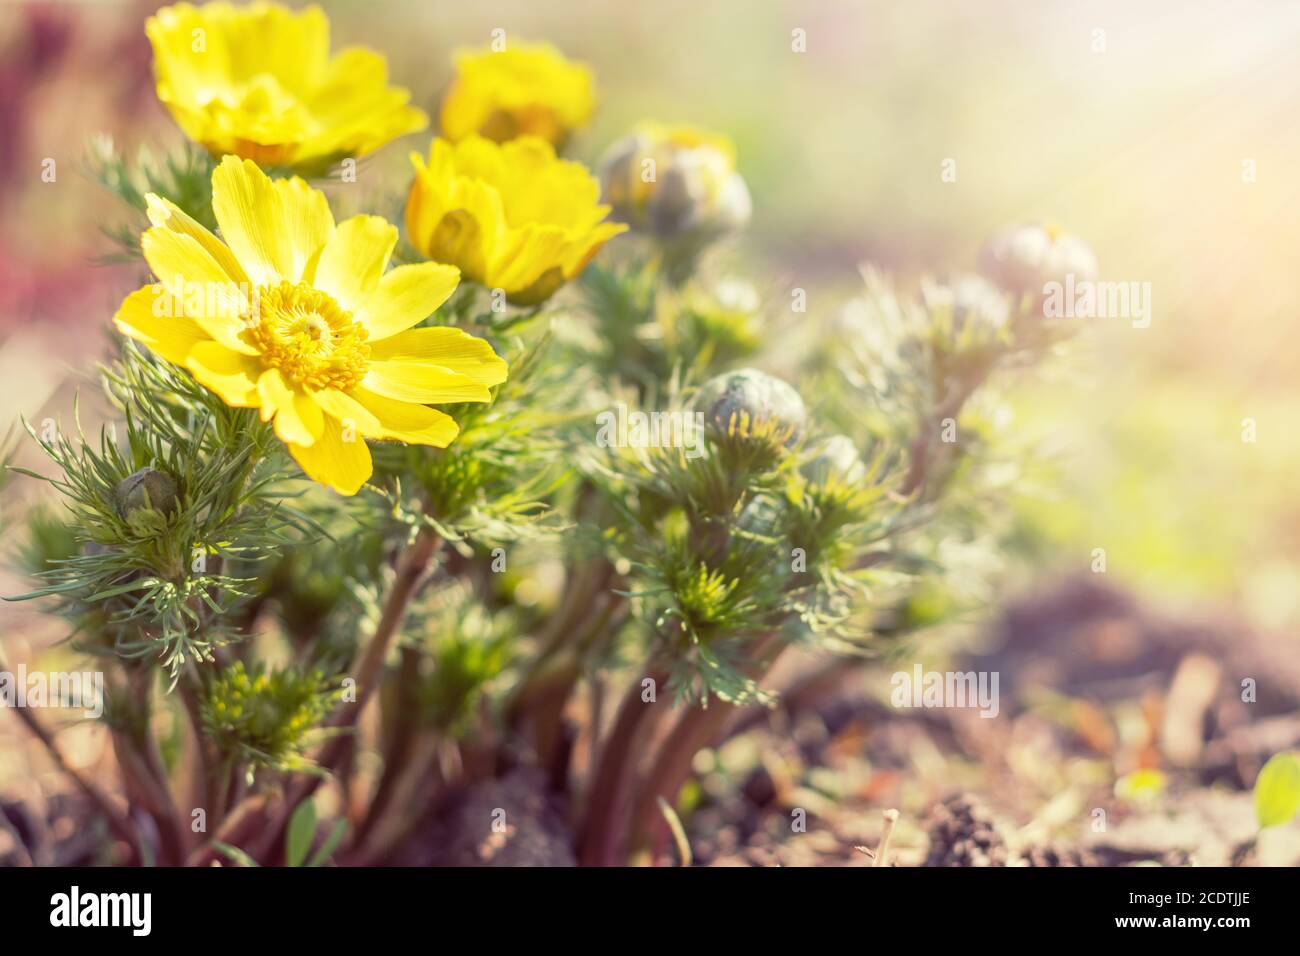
(354, 258)
(276, 229)
(526, 89)
(404, 421)
(257, 81)
(238, 42)
(335, 461)
(378, 417)
(165, 213)
(407, 296)
(229, 374)
(446, 348)
(528, 253)
(357, 111)
(423, 384)
(453, 215)
(350, 413)
(198, 283)
(153, 317)
(512, 216)
(298, 419)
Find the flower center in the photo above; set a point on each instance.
(308, 336)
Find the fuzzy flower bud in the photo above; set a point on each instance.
(749, 401)
(676, 183)
(147, 488)
(1026, 257)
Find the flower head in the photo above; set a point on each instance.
(293, 315)
(1026, 257)
(524, 90)
(511, 216)
(259, 82)
(676, 183)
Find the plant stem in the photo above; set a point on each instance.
(891, 818)
(696, 729)
(922, 459)
(399, 745)
(605, 800)
(410, 575)
(411, 570)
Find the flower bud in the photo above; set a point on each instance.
(747, 401)
(147, 488)
(974, 306)
(835, 458)
(1025, 258)
(676, 183)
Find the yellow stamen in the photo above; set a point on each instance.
(308, 336)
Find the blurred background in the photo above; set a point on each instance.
(1163, 133)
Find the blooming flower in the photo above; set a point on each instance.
(512, 216)
(293, 315)
(259, 82)
(525, 90)
(1024, 258)
(675, 182)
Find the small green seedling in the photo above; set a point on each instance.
(298, 841)
(1277, 790)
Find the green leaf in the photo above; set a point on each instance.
(234, 853)
(1277, 790)
(122, 589)
(321, 856)
(302, 828)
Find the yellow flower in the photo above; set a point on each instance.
(512, 216)
(296, 316)
(675, 182)
(259, 82)
(529, 90)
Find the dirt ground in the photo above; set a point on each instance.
(1122, 739)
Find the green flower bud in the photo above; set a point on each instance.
(147, 488)
(676, 183)
(748, 401)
